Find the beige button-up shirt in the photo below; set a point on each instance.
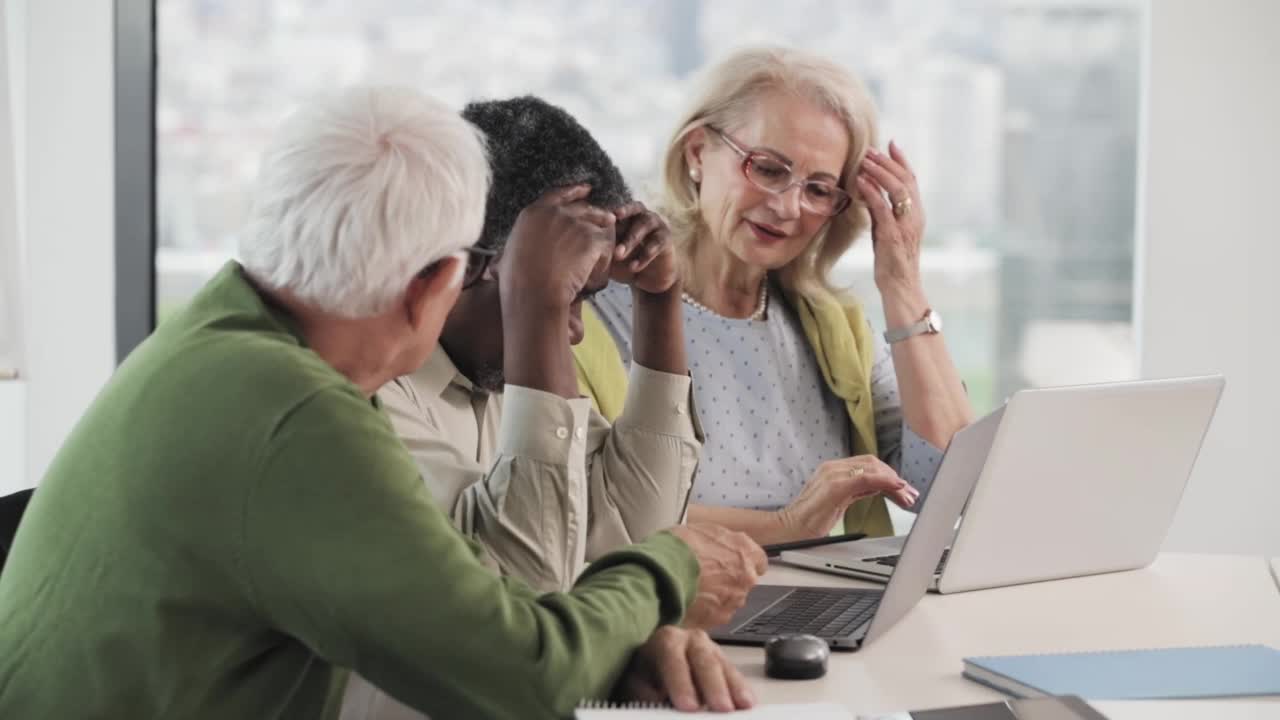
(545, 484)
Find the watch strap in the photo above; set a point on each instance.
(917, 328)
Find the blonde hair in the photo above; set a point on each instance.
(729, 93)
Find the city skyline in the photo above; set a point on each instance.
(984, 97)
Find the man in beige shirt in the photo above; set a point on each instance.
(544, 482)
(495, 419)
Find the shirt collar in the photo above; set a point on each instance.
(438, 373)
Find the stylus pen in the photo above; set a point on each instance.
(776, 550)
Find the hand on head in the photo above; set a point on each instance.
(887, 184)
(559, 249)
(645, 257)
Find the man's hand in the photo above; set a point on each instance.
(558, 244)
(834, 487)
(687, 669)
(730, 565)
(559, 248)
(644, 258)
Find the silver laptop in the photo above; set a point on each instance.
(1079, 480)
(848, 618)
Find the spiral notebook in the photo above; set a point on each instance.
(641, 711)
(1165, 674)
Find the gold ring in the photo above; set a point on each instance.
(857, 471)
(902, 207)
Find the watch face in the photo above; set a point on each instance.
(935, 322)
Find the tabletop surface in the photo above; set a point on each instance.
(1180, 600)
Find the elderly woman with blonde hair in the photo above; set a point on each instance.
(811, 418)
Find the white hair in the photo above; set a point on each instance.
(361, 190)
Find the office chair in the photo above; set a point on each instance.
(11, 509)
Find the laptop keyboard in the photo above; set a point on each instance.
(892, 560)
(825, 613)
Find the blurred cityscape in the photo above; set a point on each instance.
(1020, 117)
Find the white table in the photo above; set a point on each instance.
(1179, 600)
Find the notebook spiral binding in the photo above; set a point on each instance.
(611, 705)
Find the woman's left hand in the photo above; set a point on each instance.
(888, 186)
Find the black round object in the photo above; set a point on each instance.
(796, 657)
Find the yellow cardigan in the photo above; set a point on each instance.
(837, 333)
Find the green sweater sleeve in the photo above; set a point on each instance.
(344, 550)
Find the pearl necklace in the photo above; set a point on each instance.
(761, 305)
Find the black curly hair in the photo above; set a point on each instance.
(534, 147)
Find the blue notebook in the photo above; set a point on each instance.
(1192, 672)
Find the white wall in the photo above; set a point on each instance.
(13, 407)
(10, 332)
(15, 63)
(68, 174)
(13, 437)
(1208, 290)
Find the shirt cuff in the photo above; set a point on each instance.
(542, 426)
(920, 462)
(671, 562)
(661, 403)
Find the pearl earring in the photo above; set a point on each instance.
(694, 175)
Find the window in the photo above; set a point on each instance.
(1020, 117)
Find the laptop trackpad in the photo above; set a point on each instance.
(758, 599)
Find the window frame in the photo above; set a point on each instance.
(135, 173)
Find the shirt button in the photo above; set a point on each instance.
(579, 433)
(681, 409)
(562, 432)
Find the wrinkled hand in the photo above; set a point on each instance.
(645, 257)
(834, 487)
(685, 668)
(895, 238)
(556, 246)
(730, 564)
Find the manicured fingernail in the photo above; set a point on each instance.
(620, 252)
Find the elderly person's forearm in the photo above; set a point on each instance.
(934, 402)
(764, 526)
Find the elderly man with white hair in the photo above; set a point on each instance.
(234, 516)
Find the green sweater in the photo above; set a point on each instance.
(231, 519)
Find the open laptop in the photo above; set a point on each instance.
(1079, 480)
(848, 618)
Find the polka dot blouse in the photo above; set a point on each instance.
(768, 416)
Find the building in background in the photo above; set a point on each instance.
(1020, 117)
(1070, 168)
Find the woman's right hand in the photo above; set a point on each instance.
(834, 487)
